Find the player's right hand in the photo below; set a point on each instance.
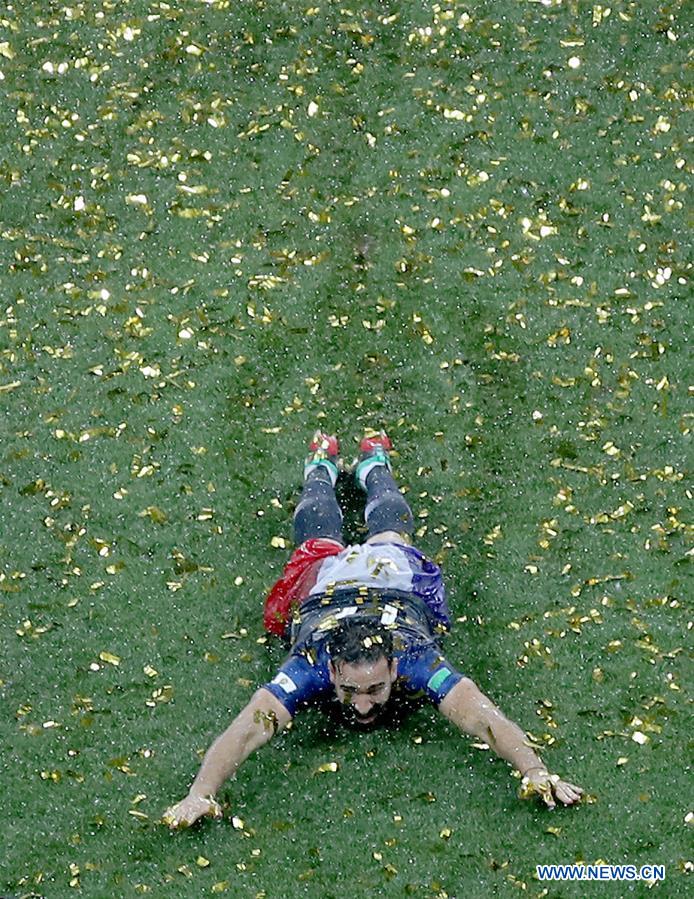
(188, 810)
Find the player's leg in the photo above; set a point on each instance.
(317, 513)
(388, 516)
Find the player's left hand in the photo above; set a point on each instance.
(550, 787)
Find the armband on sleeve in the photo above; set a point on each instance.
(427, 671)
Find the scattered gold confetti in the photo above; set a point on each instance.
(110, 658)
(160, 305)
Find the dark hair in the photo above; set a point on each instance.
(356, 639)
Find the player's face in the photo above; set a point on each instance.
(364, 687)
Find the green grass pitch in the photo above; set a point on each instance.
(225, 224)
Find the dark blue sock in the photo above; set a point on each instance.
(386, 507)
(317, 513)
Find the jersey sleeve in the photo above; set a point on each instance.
(426, 672)
(298, 683)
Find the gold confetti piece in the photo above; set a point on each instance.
(55, 776)
(555, 831)
(138, 814)
(689, 818)
(622, 760)
(639, 738)
(5, 388)
(445, 833)
(220, 887)
(162, 695)
(327, 767)
(202, 862)
(278, 542)
(110, 658)
(611, 449)
(150, 671)
(528, 789)
(237, 823)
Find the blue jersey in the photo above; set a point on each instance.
(423, 671)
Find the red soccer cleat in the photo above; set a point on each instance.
(324, 449)
(373, 451)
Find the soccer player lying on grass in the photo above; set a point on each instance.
(364, 623)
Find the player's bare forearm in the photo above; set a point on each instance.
(473, 712)
(254, 726)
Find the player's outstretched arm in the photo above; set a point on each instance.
(254, 726)
(473, 712)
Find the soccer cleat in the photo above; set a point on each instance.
(373, 451)
(324, 450)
